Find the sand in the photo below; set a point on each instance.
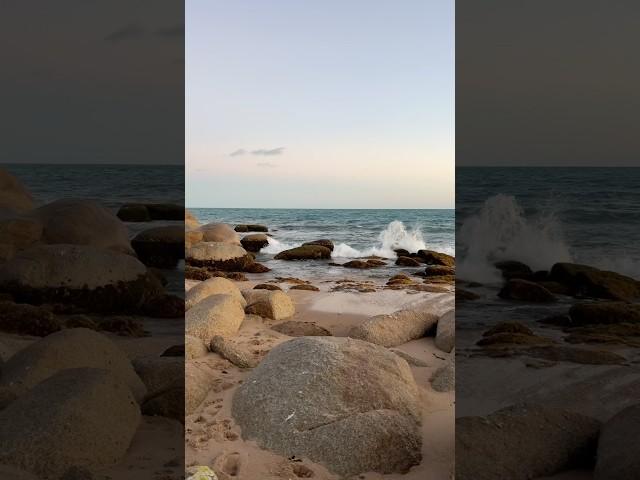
(213, 438)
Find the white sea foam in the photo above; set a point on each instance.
(502, 231)
(276, 246)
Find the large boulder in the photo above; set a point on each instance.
(272, 304)
(219, 256)
(13, 195)
(194, 347)
(323, 242)
(592, 282)
(251, 228)
(145, 212)
(350, 405)
(212, 286)
(198, 380)
(219, 232)
(254, 242)
(514, 269)
(604, 313)
(618, 453)
(24, 319)
(78, 418)
(190, 220)
(191, 237)
(305, 252)
(92, 278)
(521, 443)
(446, 332)
(431, 257)
(220, 314)
(160, 247)
(72, 348)
(407, 262)
(19, 231)
(391, 330)
(164, 379)
(526, 291)
(82, 222)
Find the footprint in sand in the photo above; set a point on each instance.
(229, 463)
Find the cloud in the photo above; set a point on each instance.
(266, 165)
(268, 152)
(237, 153)
(175, 31)
(132, 31)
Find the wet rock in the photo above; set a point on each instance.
(446, 332)
(310, 288)
(431, 257)
(307, 252)
(323, 242)
(394, 329)
(79, 417)
(507, 338)
(82, 222)
(584, 280)
(604, 313)
(27, 320)
(219, 256)
(524, 290)
(254, 242)
(220, 314)
(73, 348)
(521, 443)
(275, 305)
(294, 328)
(514, 269)
(212, 286)
(13, 195)
(267, 286)
(256, 267)
(251, 228)
(508, 327)
(465, 295)
(161, 247)
(407, 262)
(369, 430)
(558, 353)
(439, 271)
(231, 351)
(164, 306)
(618, 457)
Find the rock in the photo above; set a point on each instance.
(160, 247)
(219, 256)
(82, 222)
(604, 313)
(164, 306)
(618, 457)
(19, 232)
(375, 262)
(13, 195)
(615, 333)
(558, 353)
(202, 473)
(174, 351)
(410, 359)
(524, 290)
(394, 329)
(359, 264)
(407, 262)
(27, 320)
(521, 443)
(198, 380)
(190, 220)
(508, 338)
(323, 242)
(15, 474)
(232, 352)
(76, 418)
(307, 252)
(432, 257)
(267, 286)
(73, 348)
(219, 232)
(254, 242)
(164, 379)
(446, 332)
(169, 403)
(123, 326)
(220, 314)
(213, 286)
(91, 278)
(514, 269)
(584, 280)
(311, 288)
(344, 418)
(166, 211)
(275, 305)
(133, 212)
(256, 267)
(508, 327)
(439, 271)
(251, 228)
(444, 378)
(294, 328)
(194, 347)
(465, 295)
(192, 237)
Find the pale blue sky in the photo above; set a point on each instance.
(326, 104)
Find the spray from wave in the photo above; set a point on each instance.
(502, 231)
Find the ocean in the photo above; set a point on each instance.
(355, 234)
(545, 215)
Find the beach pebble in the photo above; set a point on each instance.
(391, 330)
(72, 348)
(369, 430)
(212, 286)
(13, 195)
(78, 417)
(604, 313)
(220, 314)
(267, 286)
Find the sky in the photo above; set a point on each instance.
(328, 104)
(547, 83)
(92, 81)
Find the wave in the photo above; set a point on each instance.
(276, 246)
(502, 231)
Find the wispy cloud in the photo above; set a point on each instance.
(261, 151)
(131, 31)
(266, 165)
